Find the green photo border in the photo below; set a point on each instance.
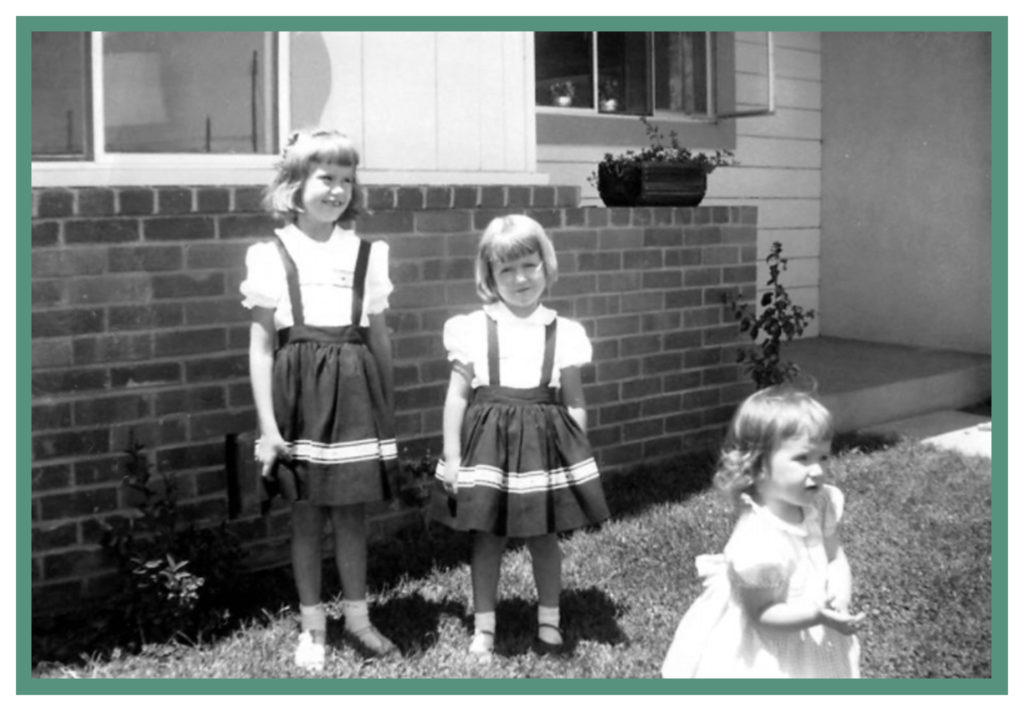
(997, 684)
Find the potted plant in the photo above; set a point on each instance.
(658, 174)
(608, 96)
(562, 93)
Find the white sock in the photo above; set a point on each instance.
(357, 615)
(484, 622)
(548, 616)
(313, 618)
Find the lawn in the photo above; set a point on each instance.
(917, 533)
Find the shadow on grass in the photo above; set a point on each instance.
(863, 442)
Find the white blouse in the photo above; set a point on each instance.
(520, 345)
(325, 269)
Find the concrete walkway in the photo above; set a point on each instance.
(950, 429)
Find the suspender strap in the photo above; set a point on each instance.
(549, 352)
(550, 333)
(294, 294)
(359, 281)
(492, 352)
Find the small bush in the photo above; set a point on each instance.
(176, 576)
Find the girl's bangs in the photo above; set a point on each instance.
(507, 247)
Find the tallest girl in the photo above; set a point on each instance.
(321, 370)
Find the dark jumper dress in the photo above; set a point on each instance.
(526, 468)
(329, 403)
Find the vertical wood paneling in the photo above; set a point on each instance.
(462, 90)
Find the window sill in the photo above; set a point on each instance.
(564, 127)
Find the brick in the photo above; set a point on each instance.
(73, 564)
(184, 342)
(132, 288)
(660, 321)
(697, 399)
(136, 201)
(102, 411)
(719, 336)
(47, 537)
(618, 282)
(419, 346)
(217, 368)
(71, 262)
(55, 203)
(95, 202)
(419, 295)
(702, 357)
(447, 269)
(438, 198)
(47, 293)
(66, 322)
(621, 455)
(574, 241)
(706, 316)
(641, 345)
(518, 196)
(174, 201)
(246, 226)
(739, 235)
(684, 422)
(662, 215)
(643, 259)
(642, 429)
(720, 376)
(643, 216)
(710, 276)
(662, 405)
(601, 394)
(658, 237)
(702, 236)
(112, 348)
(45, 234)
(618, 369)
(409, 198)
(188, 285)
(682, 216)
(662, 280)
(603, 305)
(620, 216)
(567, 195)
(379, 198)
(492, 196)
(678, 382)
(621, 412)
(597, 217)
(603, 437)
(57, 596)
(109, 470)
(465, 197)
(133, 318)
(605, 348)
(104, 231)
(192, 456)
(421, 397)
(574, 217)
(682, 257)
(663, 363)
(145, 375)
(51, 353)
(446, 221)
(145, 259)
(222, 311)
(67, 381)
(719, 255)
(179, 228)
(548, 219)
(248, 199)
(684, 298)
(739, 275)
(599, 261)
(53, 476)
(702, 215)
(70, 444)
(662, 447)
(719, 214)
(398, 222)
(196, 399)
(543, 196)
(212, 199)
(617, 325)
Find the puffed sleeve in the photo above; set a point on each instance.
(378, 281)
(458, 339)
(265, 279)
(833, 502)
(760, 560)
(573, 344)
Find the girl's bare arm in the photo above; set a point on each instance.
(572, 395)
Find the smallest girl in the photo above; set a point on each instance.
(776, 602)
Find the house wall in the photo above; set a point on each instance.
(906, 209)
(779, 155)
(138, 330)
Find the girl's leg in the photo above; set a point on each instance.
(547, 573)
(486, 569)
(307, 526)
(349, 524)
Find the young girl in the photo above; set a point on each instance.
(321, 369)
(516, 458)
(776, 603)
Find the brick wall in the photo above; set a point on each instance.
(137, 327)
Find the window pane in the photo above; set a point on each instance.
(681, 72)
(564, 69)
(623, 71)
(189, 92)
(60, 120)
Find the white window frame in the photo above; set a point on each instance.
(110, 169)
(680, 116)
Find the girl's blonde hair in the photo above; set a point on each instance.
(761, 423)
(306, 148)
(511, 237)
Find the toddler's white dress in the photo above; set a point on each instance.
(716, 638)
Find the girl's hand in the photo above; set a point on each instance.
(270, 449)
(842, 621)
(451, 475)
(838, 602)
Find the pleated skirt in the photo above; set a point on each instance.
(330, 407)
(526, 468)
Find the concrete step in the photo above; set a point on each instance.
(947, 429)
(866, 384)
